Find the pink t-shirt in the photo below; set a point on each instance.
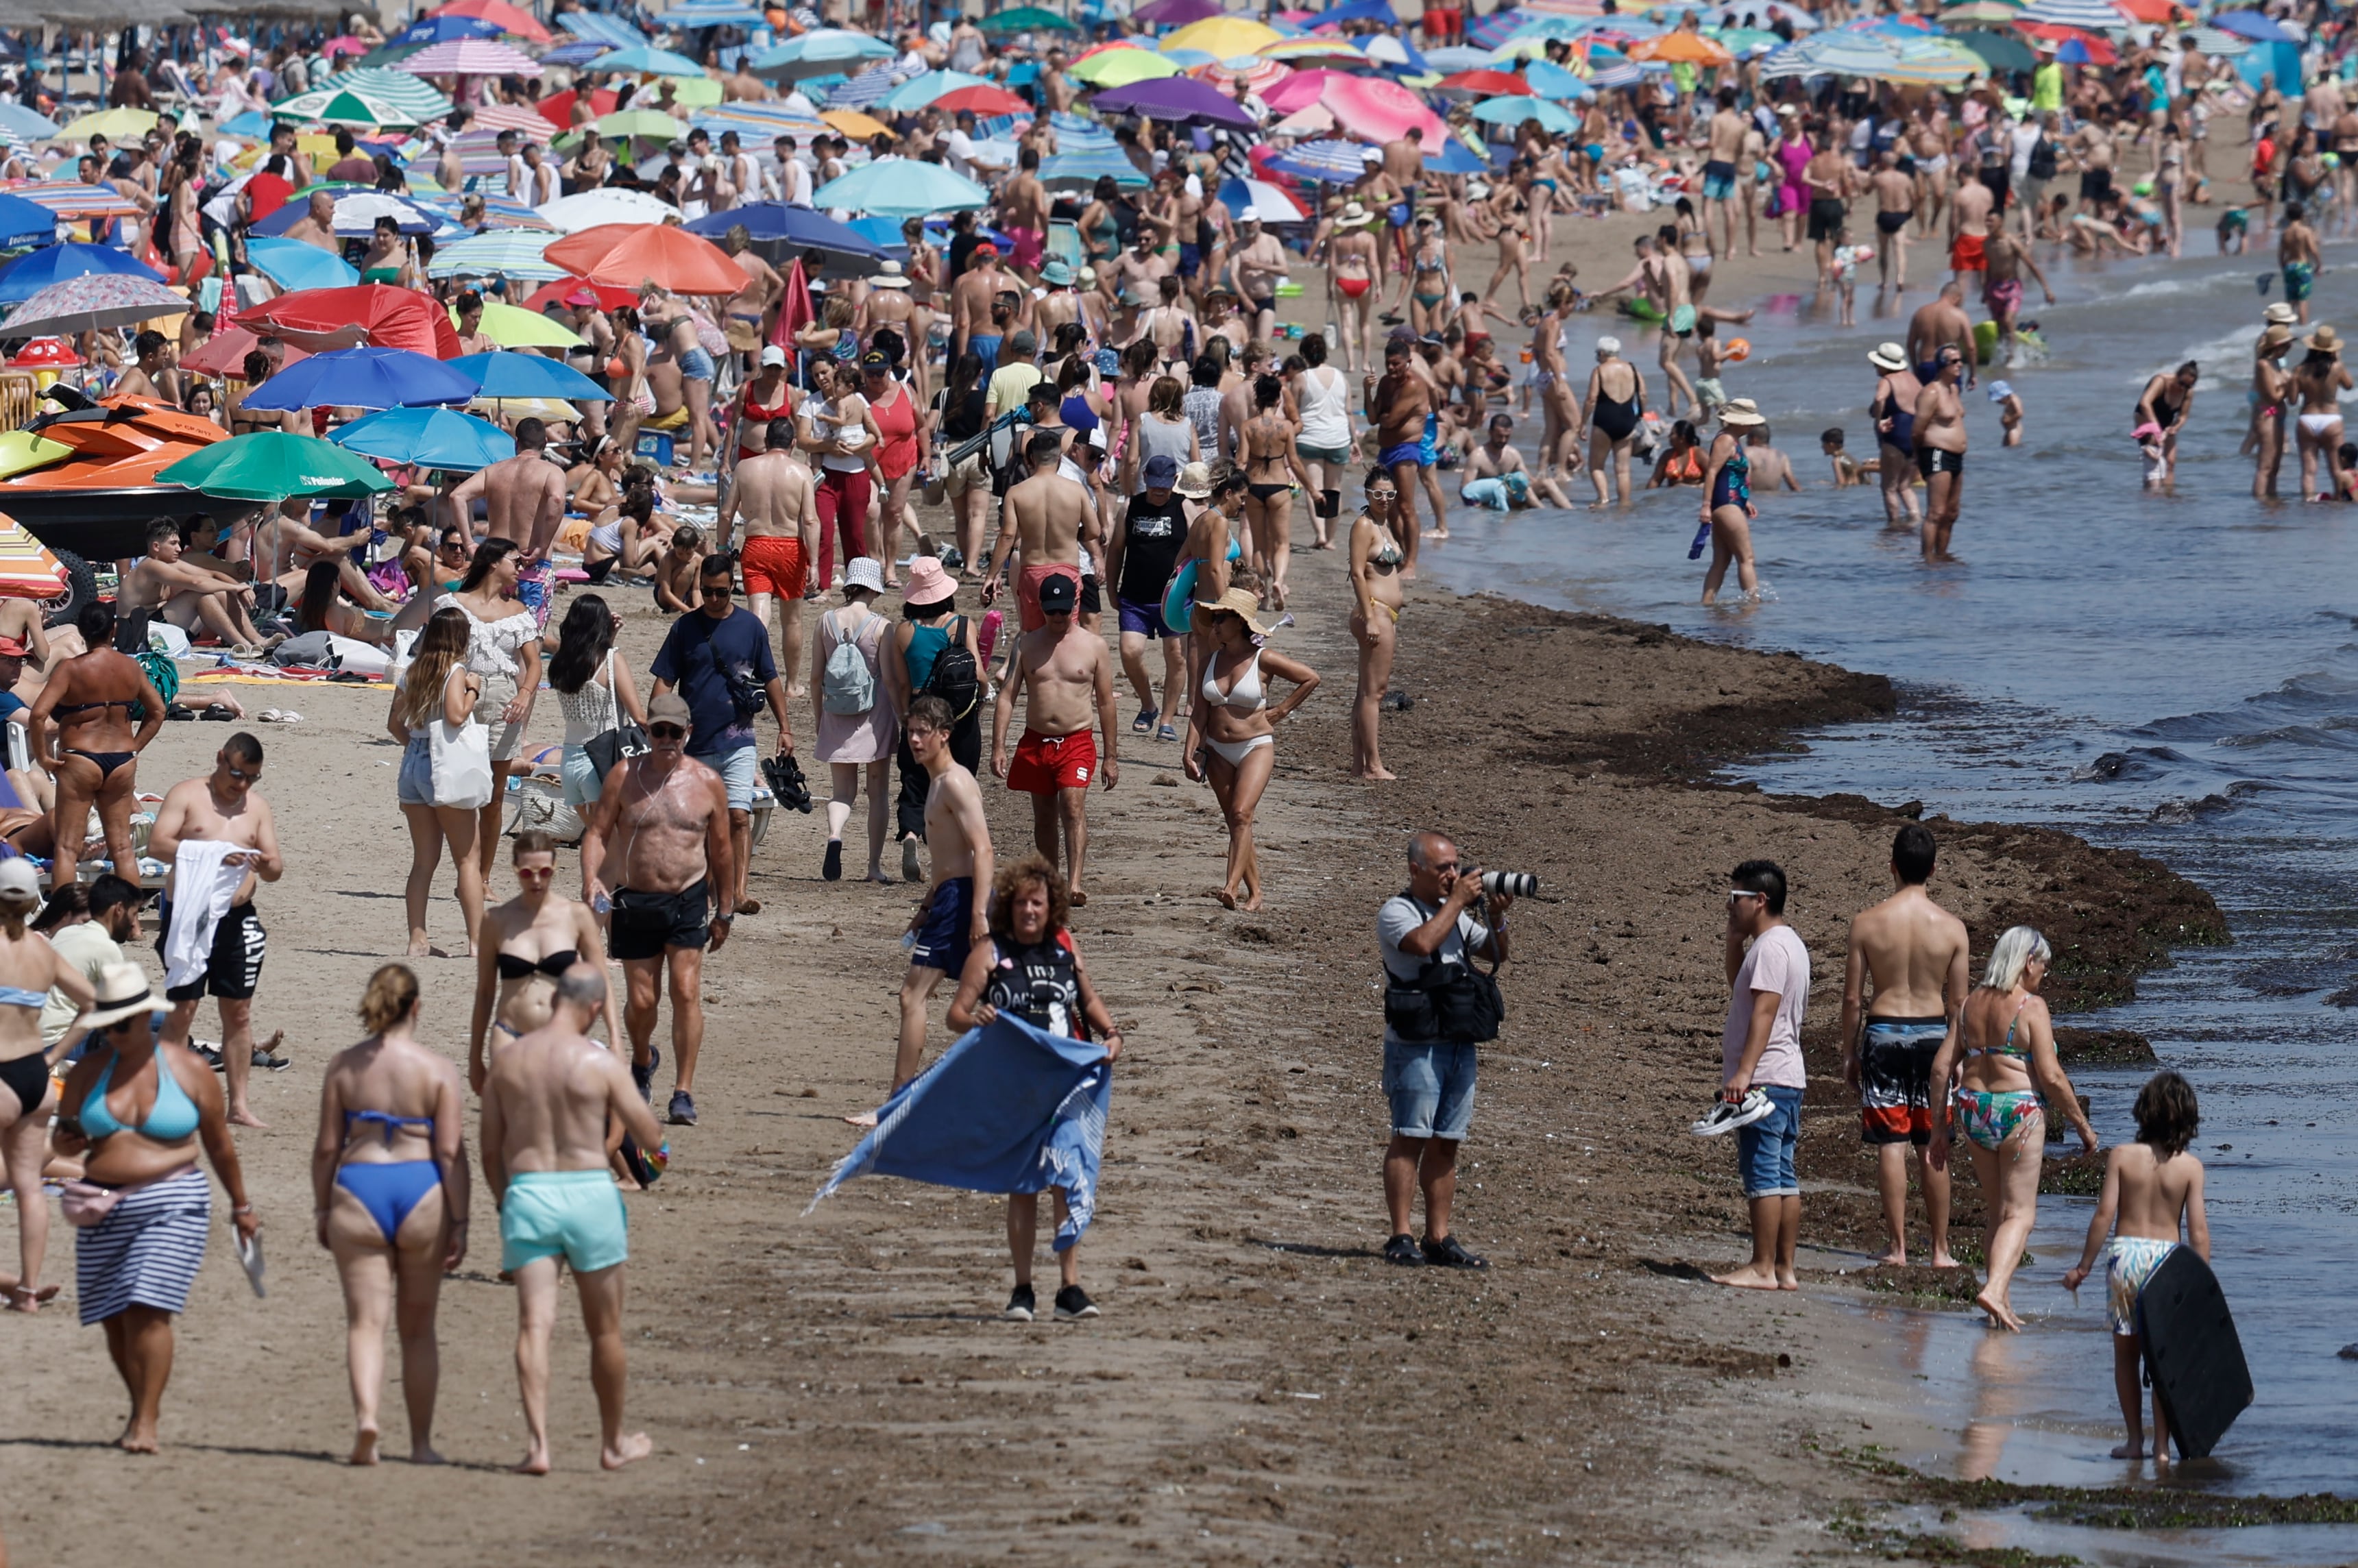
(1778, 962)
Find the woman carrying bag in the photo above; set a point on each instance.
(446, 769)
(857, 726)
(604, 719)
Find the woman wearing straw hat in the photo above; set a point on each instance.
(1728, 509)
(2318, 382)
(1355, 265)
(1231, 731)
(143, 1209)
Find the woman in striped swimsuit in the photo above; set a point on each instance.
(139, 1105)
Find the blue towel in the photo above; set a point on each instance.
(1009, 1109)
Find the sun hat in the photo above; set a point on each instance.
(1195, 482)
(866, 572)
(1057, 273)
(1240, 602)
(928, 583)
(2280, 315)
(890, 275)
(1353, 216)
(2278, 335)
(2000, 391)
(123, 991)
(2324, 341)
(1741, 412)
(1888, 356)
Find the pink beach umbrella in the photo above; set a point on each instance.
(1377, 110)
(1298, 91)
(471, 56)
(1258, 75)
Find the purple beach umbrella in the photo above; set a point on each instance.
(1176, 98)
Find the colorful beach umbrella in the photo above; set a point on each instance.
(1325, 162)
(115, 124)
(291, 264)
(510, 20)
(645, 60)
(1027, 19)
(820, 52)
(504, 253)
(27, 570)
(363, 378)
(428, 439)
(28, 274)
(984, 99)
(1220, 36)
(525, 326)
(345, 106)
(919, 92)
(630, 255)
(271, 465)
(1179, 98)
(2095, 16)
(1121, 66)
(1485, 83)
(319, 319)
(1256, 73)
(506, 375)
(472, 57)
(801, 228)
(1681, 49)
(901, 187)
(93, 302)
(416, 96)
(1082, 170)
(1552, 116)
(590, 209)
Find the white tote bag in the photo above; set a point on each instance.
(462, 764)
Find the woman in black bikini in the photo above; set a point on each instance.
(1271, 457)
(528, 942)
(1616, 404)
(91, 697)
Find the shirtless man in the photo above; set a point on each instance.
(954, 913)
(1940, 324)
(1041, 523)
(524, 496)
(1970, 210)
(548, 1103)
(971, 298)
(749, 309)
(150, 359)
(1255, 267)
(317, 224)
(1895, 204)
(1506, 484)
(776, 497)
(1722, 171)
(1061, 669)
(672, 812)
(191, 596)
(2005, 256)
(2297, 255)
(1826, 177)
(1941, 450)
(1166, 324)
(1914, 953)
(2092, 151)
(1024, 213)
(222, 957)
(1398, 406)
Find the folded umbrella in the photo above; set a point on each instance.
(363, 378)
(427, 437)
(271, 465)
(503, 375)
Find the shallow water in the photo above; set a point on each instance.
(2175, 674)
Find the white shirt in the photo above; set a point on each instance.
(960, 148)
(794, 182)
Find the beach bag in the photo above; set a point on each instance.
(956, 678)
(2043, 160)
(462, 764)
(848, 683)
(606, 750)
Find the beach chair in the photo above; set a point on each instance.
(1065, 243)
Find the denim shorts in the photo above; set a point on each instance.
(415, 785)
(1432, 1089)
(1765, 1151)
(582, 785)
(738, 769)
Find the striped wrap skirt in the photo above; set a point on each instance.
(146, 1251)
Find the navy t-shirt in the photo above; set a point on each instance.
(693, 658)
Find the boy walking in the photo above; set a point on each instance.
(1761, 1051)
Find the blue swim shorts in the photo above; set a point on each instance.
(576, 1215)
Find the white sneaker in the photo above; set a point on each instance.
(1726, 1118)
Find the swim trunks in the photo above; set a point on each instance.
(2095, 184)
(1027, 592)
(645, 924)
(1405, 453)
(234, 967)
(1718, 181)
(576, 1215)
(1191, 260)
(2129, 1263)
(946, 935)
(1966, 253)
(2300, 278)
(1046, 763)
(1895, 1079)
(1892, 222)
(1826, 218)
(1931, 461)
(2004, 298)
(773, 564)
(1682, 319)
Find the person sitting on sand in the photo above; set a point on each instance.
(2001, 1059)
(188, 596)
(2150, 1186)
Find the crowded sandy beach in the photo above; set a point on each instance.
(1557, 1023)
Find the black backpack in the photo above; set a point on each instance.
(956, 677)
(2043, 160)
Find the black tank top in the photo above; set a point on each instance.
(1040, 983)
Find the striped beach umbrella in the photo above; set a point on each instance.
(2095, 16)
(420, 98)
(506, 252)
(865, 91)
(343, 106)
(1939, 62)
(93, 302)
(71, 199)
(498, 117)
(471, 56)
(27, 570)
(1253, 72)
(1329, 162)
(1981, 13)
(920, 91)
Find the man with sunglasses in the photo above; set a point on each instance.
(1941, 450)
(670, 814)
(211, 940)
(777, 496)
(717, 658)
(1066, 676)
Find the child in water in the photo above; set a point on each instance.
(2009, 411)
(2149, 1187)
(1848, 470)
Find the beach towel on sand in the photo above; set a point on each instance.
(1009, 1109)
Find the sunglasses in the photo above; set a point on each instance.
(666, 732)
(716, 589)
(1735, 893)
(242, 775)
(534, 873)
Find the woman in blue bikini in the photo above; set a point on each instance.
(389, 1178)
(2000, 1084)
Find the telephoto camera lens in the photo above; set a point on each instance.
(1514, 884)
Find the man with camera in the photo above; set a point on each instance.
(1438, 1006)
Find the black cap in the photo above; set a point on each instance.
(1059, 594)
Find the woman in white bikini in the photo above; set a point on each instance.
(1377, 598)
(2319, 383)
(1232, 740)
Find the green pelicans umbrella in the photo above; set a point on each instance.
(271, 465)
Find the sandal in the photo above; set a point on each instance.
(1166, 733)
(222, 713)
(1144, 724)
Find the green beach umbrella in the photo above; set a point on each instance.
(271, 465)
(1027, 19)
(1123, 67)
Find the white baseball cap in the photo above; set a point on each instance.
(774, 355)
(1249, 215)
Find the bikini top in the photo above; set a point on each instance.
(2006, 1046)
(388, 1122)
(516, 966)
(62, 708)
(18, 996)
(172, 1118)
(1246, 694)
(1386, 554)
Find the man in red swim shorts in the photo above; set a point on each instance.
(1041, 523)
(773, 493)
(1066, 677)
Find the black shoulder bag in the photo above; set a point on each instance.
(1455, 1002)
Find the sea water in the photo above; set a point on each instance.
(2176, 675)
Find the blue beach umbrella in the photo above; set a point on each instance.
(439, 30)
(920, 91)
(504, 375)
(54, 264)
(1514, 111)
(900, 187)
(802, 227)
(428, 438)
(292, 265)
(363, 378)
(1453, 157)
(1081, 169)
(1328, 162)
(2252, 25)
(1551, 81)
(645, 60)
(27, 125)
(864, 90)
(828, 51)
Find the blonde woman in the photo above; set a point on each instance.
(2002, 1055)
(389, 1189)
(437, 686)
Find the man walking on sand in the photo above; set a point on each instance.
(218, 834)
(524, 496)
(1062, 670)
(1914, 953)
(546, 1106)
(775, 494)
(672, 814)
(1041, 523)
(956, 912)
(1761, 1049)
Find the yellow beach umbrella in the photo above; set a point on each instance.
(548, 410)
(859, 127)
(1223, 37)
(113, 123)
(513, 326)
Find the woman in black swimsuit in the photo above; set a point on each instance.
(1616, 404)
(1271, 457)
(92, 697)
(527, 945)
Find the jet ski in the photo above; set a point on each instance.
(82, 477)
